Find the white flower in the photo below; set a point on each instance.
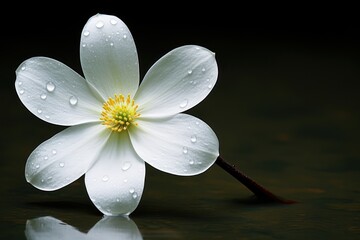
(115, 124)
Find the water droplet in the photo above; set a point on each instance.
(42, 180)
(73, 100)
(105, 178)
(117, 200)
(126, 166)
(43, 96)
(23, 68)
(135, 195)
(61, 164)
(39, 111)
(83, 45)
(113, 21)
(86, 33)
(20, 83)
(210, 86)
(50, 86)
(21, 92)
(125, 180)
(37, 166)
(193, 139)
(131, 190)
(197, 123)
(47, 116)
(190, 72)
(46, 158)
(124, 36)
(184, 103)
(203, 69)
(49, 178)
(112, 44)
(185, 150)
(191, 162)
(53, 152)
(99, 24)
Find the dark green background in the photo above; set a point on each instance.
(285, 109)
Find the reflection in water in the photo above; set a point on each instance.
(107, 228)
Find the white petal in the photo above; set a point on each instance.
(55, 93)
(115, 183)
(110, 228)
(65, 157)
(44, 228)
(181, 145)
(108, 56)
(178, 81)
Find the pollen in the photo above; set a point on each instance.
(119, 113)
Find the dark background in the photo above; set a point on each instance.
(285, 109)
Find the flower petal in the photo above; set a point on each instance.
(55, 93)
(44, 228)
(110, 228)
(108, 56)
(178, 81)
(115, 183)
(181, 145)
(65, 157)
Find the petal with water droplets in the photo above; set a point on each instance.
(177, 81)
(48, 89)
(108, 56)
(115, 182)
(182, 145)
(65, 157)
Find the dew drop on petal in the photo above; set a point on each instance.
(37, 166)
(39, 111)
(184, 103)
(105, 178)
(86, 33)
(46, 158)
(203, 69)
(73, 100)
(185, 150)
(126, 166)
(50, 86)
(135, 195)
(54, 152)
(61, 164)
(131, 190)
(193, 139)
(124, 36)
(43, 96)
(20, 83)
(191, 162)
(210, 86)
(190, 72)
(117, 200)
(21, 91)
(99, 24)
(23, 68)
(113, 21)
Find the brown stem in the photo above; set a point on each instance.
(260, 192)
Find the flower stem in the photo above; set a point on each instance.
(260, 192)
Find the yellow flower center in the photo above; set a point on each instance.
(119, 113)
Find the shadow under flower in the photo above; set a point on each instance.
(50, 228)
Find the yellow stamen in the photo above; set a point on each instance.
(119, 113)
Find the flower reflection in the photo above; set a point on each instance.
(42, 228)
